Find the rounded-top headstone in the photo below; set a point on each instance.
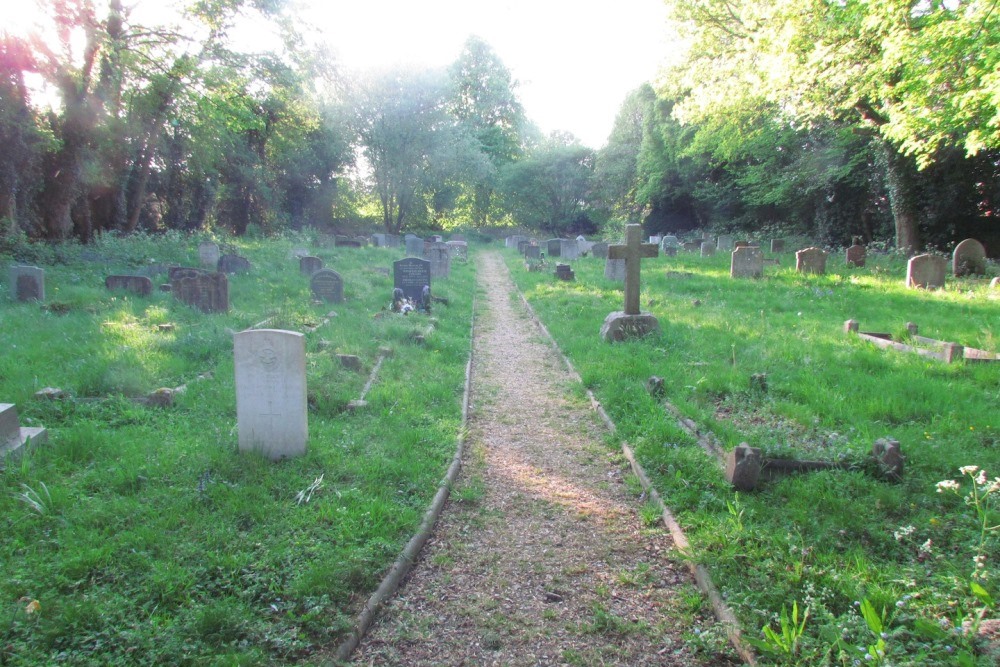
(327, 285)
(969, 258)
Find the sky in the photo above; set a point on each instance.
(574, 60)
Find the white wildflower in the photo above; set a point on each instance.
(947, 485)
(968, 470)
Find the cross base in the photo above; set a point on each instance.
(619, 326)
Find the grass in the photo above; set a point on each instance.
(829, 540)
(142, 533)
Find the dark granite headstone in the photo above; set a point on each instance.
(411, 275)
(564, 272)
(327, 285)
(532, 252)
(553, 247)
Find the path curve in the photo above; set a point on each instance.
(540, 557)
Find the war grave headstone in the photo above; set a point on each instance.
(564, 272)
(208, 255)
(707, 249)
(13, 436)
(140, 285)
(440, 258)
(568, 249)
(747, 262)
(726, 242)
(27, 283)
(327, 285)
(271, 408)
(969, 259)
(230, 263)
(926, 271)
(777, 245)
(309, 265)
(532, 252)
(856, 255)
(614, 269)
(811, 260)
(599, 250)
(411, 275)
(208, 292)
(414, 246)
(631, 322)
(553, 247)
(693, 246)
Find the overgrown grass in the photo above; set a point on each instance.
(142, 533)
(831, 540)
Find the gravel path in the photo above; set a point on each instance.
(540, 557)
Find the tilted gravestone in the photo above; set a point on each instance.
(614, 269)
(327, 285)
(271, 408)
(140, 285)
(309, 265)
(414, 246)
(747, 262)
(926, 271)
(411, 275)
(233, 264)
(777, 245)
(811, 260)
(631, 322)
(208, 292)
(27, 283)
(599, 250)
(569, 249)
(553, 247)
(707, 249)
(856, 255)
(208, 255)
(969, 259)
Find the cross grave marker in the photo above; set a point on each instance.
(630, 323)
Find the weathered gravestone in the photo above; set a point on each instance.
(392, 241)
(726, 242)
(532, 252)
(856, 255)
(692, 246)
(208, 255)
(175, 273)
(569, 249)
(599, 250)
(27, 283)
(327, 285)
(411, 275)
(707, 249)
(208, 292)
(13, 436)
(271, 409)
(969, 259)
(926, 271)
(140, 285)
(233, 264)
(458, 250)
(630, 323)
(614, 269)
(811, 260)
(669, 241)
(740, 244)
(414, 246)
(777, 245)
(564, 272)
(309, 265)
(553, 247)
(440, 258)
(747, 262)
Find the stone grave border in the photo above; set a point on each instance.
(408, 557)
(934, 349)
(702, 578)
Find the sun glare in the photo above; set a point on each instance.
(21, 18)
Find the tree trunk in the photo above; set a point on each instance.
(899, 176)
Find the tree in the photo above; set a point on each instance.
(616, 167)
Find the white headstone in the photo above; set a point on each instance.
(271, 409)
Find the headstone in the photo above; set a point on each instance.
(208, 292)
(27, 283)
(743, 466)
(271, 408)
(414, 246)
(378, 240)
(140, 285)
(13, 436)
(437, 238)
(726, 242)
(392, 241)
(747, 262)
(564, 272)
(926, 271)
(208, 255)
(777, 245)
(411, 275)
(458, 250)
(889, 457)
(707, 249)
(327, 285)
(856, 256)
(969, 259)
(599, 250)
(521, 245)
(614, 269)
(439, 256)
(233, 264)
(631, 322)
(532, 252)
(553, 247)
(175, 273)
(309, 265)
(811, 260)
(693, 246)
(655, 239)
(669, 241)
(568, 249)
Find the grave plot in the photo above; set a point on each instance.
(926, 347)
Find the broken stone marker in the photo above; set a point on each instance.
(889, 458)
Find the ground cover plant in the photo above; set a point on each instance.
(840, 566)
(140, 534)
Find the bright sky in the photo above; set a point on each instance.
(575, 60)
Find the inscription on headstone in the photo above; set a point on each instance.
(327, 285)
(411, 275)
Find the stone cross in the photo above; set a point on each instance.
(632, 252)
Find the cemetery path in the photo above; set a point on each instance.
(540, 557)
